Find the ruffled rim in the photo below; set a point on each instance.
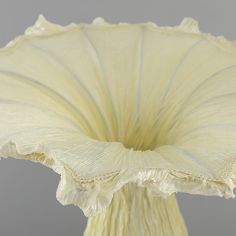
(95, 194)
(43, 28)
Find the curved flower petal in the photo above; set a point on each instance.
(104, 105)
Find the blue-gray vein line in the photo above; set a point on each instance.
(139, 74)
(94, 49)
(201, 85)
(47, 91)
(76, 78)
(45, 109)
(215, 126)
(185, 56)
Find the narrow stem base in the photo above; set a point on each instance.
(135, 212)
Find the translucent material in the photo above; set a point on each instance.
(134, 211)
(105, 104)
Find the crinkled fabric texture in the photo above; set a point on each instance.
(107, 104)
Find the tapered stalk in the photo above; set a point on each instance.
(134, 212)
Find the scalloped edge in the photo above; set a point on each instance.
(43, 27)
(94, 195)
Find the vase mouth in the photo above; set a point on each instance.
(136, 147)
(127, 146)
(140, 149)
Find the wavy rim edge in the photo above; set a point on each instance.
(94, 195)
(43, 27)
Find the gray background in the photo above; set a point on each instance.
(28, 205)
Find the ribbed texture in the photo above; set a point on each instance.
(134, 212)
(107, 104)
